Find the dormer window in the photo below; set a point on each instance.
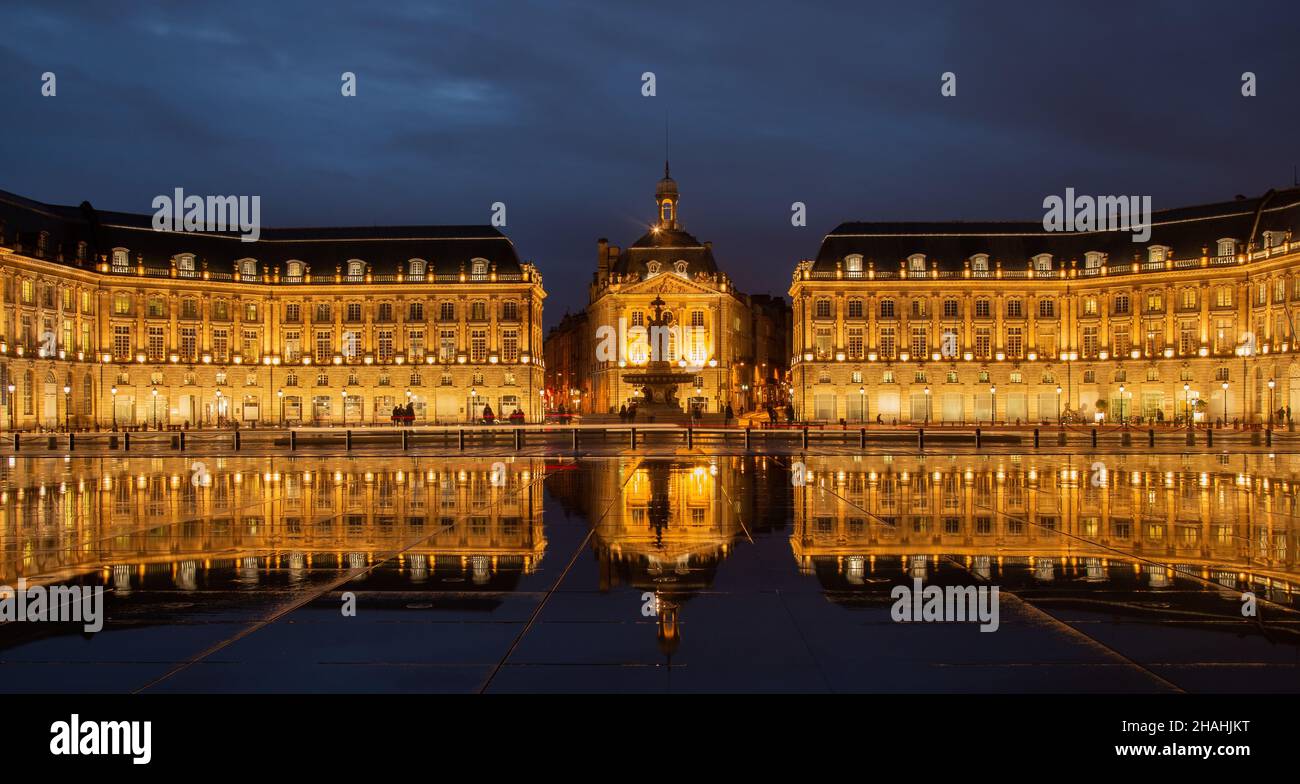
(248, 268)
(979, 263)
(478, 268)
(356, 269)
(1092, 259)
(1227, 247)
(42, 243)
(417, 267)
(680, 267)
(81, 251)
(853, 265)
(1271, 239)
(652, 267)
(1043, 262)
(185, 265)
(121, 261)
(294, 269)
(1157, 254)
(916, 262)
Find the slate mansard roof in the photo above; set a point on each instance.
(1185, 230)
(385, 248)
(666, 246)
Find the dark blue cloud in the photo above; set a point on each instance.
(538, 105)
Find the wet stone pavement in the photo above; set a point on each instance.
(668, 573)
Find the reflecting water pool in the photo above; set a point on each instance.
(687, 573)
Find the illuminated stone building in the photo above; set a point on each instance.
(568, 355)
(107, 320)
(968, 322)
(711, 326)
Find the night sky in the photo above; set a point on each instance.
(540, 106)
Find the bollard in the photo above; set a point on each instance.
(72, 442)
(17, 442)
(1151, 437)
(920, 438)
(632, 438)
(749, 434)
(112, 441)
(52, 443)
(175, 442)
(182, 441)
(862, 438)
(1094, 437)
(690, 437)
(293, 439)
(575, 439)
(1191, 438)
(805, 436)
(126, 442)
(978, 434)
(519, 438)
(1268, 437)
(405, 434)
(1209, 437)
(236, 440)
(1035, 438)
(347, 439)
(1126, 438)
(461, 438)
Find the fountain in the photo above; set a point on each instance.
(658, 381)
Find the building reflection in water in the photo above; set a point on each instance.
(1189, 526)
(668, 529)
(1146, 524)
(131, 524)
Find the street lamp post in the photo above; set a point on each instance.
(927, 405)
(113, 404)
(862, 404)
(993, 405)
(1187, 404)
(67, 407)
(1058, 406)
(218, 408)
(1225, 404)
(345, 408)
(1271, 384)
(1123, 410)
(279, 393)
(99, 409)
(13, 409)
(154, 395)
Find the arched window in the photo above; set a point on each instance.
(417, 267)
(294, 269)
(1156, 254)
(478, 267)
(979, 263)
(356, 269)
(853, 265)
(185, 265)
(121, 260)
(248, 268)
(916, 262)
(1227, 247)
(1043, 262)
(1092, 259)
